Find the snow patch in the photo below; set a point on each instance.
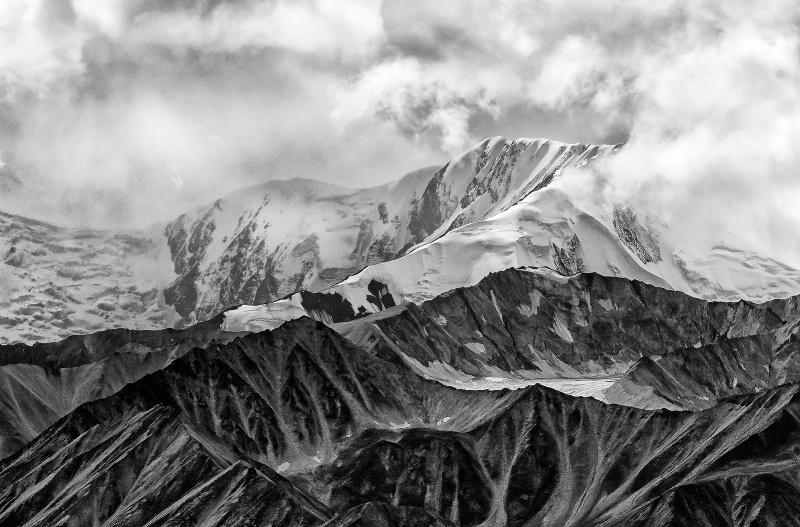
(496, 307)
(586, 386)
(560, 328)
(476, 347)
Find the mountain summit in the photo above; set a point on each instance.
(499, 205)
(253, 246)
(468, 346)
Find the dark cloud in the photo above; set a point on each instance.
(406, 38)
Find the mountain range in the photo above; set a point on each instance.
(470, 345)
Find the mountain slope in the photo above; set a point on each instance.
(56, 282)
(295, 391)
(699, 377)
(253, 246)
(270, 241)
(544, 229)
(585, 335)
(143, 468)
(590, 335)
(41, 383)
(501, 204)
(554, 460)
(193, 445)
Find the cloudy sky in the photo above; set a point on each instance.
(123, 112)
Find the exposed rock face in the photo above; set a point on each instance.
(545, 229)
(543, 324)
(218, 419)
(515, 327)
(378, 416)
(449, 480)
(494, 207)
(41, 383)
(639, 238)
(202, 441)
(142, 467)
(295, 391)
(384, 515)
(697, 378)
(79, 350)
(554, 460)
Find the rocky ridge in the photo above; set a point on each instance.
(300, 427)
(584, 335)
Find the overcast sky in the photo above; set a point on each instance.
(123, 112)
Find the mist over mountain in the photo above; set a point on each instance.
(474, 344)
(272, 263)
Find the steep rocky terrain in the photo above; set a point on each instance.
(34, 397)
(610, 338)
(215, 424)
(499, 205)
(41, 383)
(698, 378)
(528, 319)
(469, 346)
(554, 460)
(301, 427)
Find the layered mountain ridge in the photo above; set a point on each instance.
(498, 205)
(253, 246)
(470, 346)
(205, 441)
(585, 335)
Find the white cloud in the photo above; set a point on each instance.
(323, 27)
(106, 16)
(707, 91)
(418, 98)
(569, 73)
(32, 54)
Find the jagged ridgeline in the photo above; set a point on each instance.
(255, 245)
(356, 424)
(468, 346)
(499, 205)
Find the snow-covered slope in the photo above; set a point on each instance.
(56, 282)
(253, 246)
(269, 241)
(500, 204)
(542, 228)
